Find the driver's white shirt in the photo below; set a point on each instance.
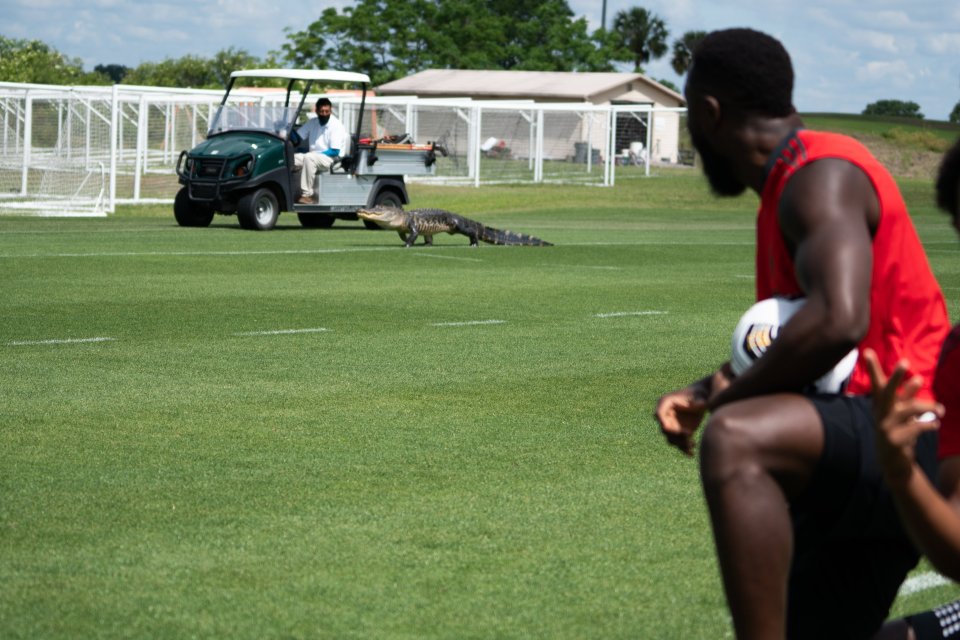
(321, 137)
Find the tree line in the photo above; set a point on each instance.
(391, 39)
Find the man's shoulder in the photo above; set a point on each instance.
(818, 142)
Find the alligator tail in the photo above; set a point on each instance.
(497, 236)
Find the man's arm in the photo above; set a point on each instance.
(932, 518)
(828, 212)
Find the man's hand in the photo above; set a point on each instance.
(679, 414)
(899, 417)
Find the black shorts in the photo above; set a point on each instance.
(850, 552)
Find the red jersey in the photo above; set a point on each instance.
(908, 315)
(946, 386)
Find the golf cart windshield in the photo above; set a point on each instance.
(253, 114)
(271, 118)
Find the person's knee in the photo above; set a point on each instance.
(780, 439)
(729, 447)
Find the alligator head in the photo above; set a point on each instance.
(386, 217)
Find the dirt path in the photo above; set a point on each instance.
(903, 162)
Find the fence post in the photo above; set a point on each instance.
(609, 175)
(413, 126)
(27, 140)
(531, 136)
(649, 141)
(473, 143)
(141, 153)
(64, 141)
(193, 127)
(6, 125)
(88, 134)
(114, 141)
(588, 116)
(169, 138)
(538, 167)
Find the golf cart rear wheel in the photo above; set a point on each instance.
(315, 220)
(258, 210)
(190, 213)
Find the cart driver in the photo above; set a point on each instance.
(325, 137)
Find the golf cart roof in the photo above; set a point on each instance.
(303, 74)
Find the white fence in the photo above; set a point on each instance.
(82, 150)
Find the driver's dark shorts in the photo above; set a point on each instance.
(850, 552)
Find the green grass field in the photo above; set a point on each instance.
(320, 434)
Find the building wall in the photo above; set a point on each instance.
(665, 143)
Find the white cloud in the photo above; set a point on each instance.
(887, 19)
(944, 43)
(898, 73)
(824, 19)
(880, 41)
(37, 5)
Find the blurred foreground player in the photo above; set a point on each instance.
(808, 540)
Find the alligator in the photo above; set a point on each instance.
(427, 222)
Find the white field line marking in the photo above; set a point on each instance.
(620, 314)
(658, 244)
(744, 277)
(51, 232)
(281, 332)
(580, 266)
(922, 582)
(431, 255)
(135, 254)
(23, 343)
(467, 323)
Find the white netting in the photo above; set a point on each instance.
(81, 150)
(60, 169)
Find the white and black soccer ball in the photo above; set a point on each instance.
(758, 328)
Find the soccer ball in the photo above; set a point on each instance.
(758, 328)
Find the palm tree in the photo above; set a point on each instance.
(683, 51)
(643, 34)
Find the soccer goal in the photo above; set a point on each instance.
(68, 189)
(53, 148)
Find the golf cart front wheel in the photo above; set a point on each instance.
(190, 213)
(258, 210)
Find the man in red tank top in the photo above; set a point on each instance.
(808, 540)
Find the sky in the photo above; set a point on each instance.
(846, 53)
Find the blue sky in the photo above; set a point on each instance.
(847, 53)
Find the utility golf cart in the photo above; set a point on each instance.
(246, 164)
